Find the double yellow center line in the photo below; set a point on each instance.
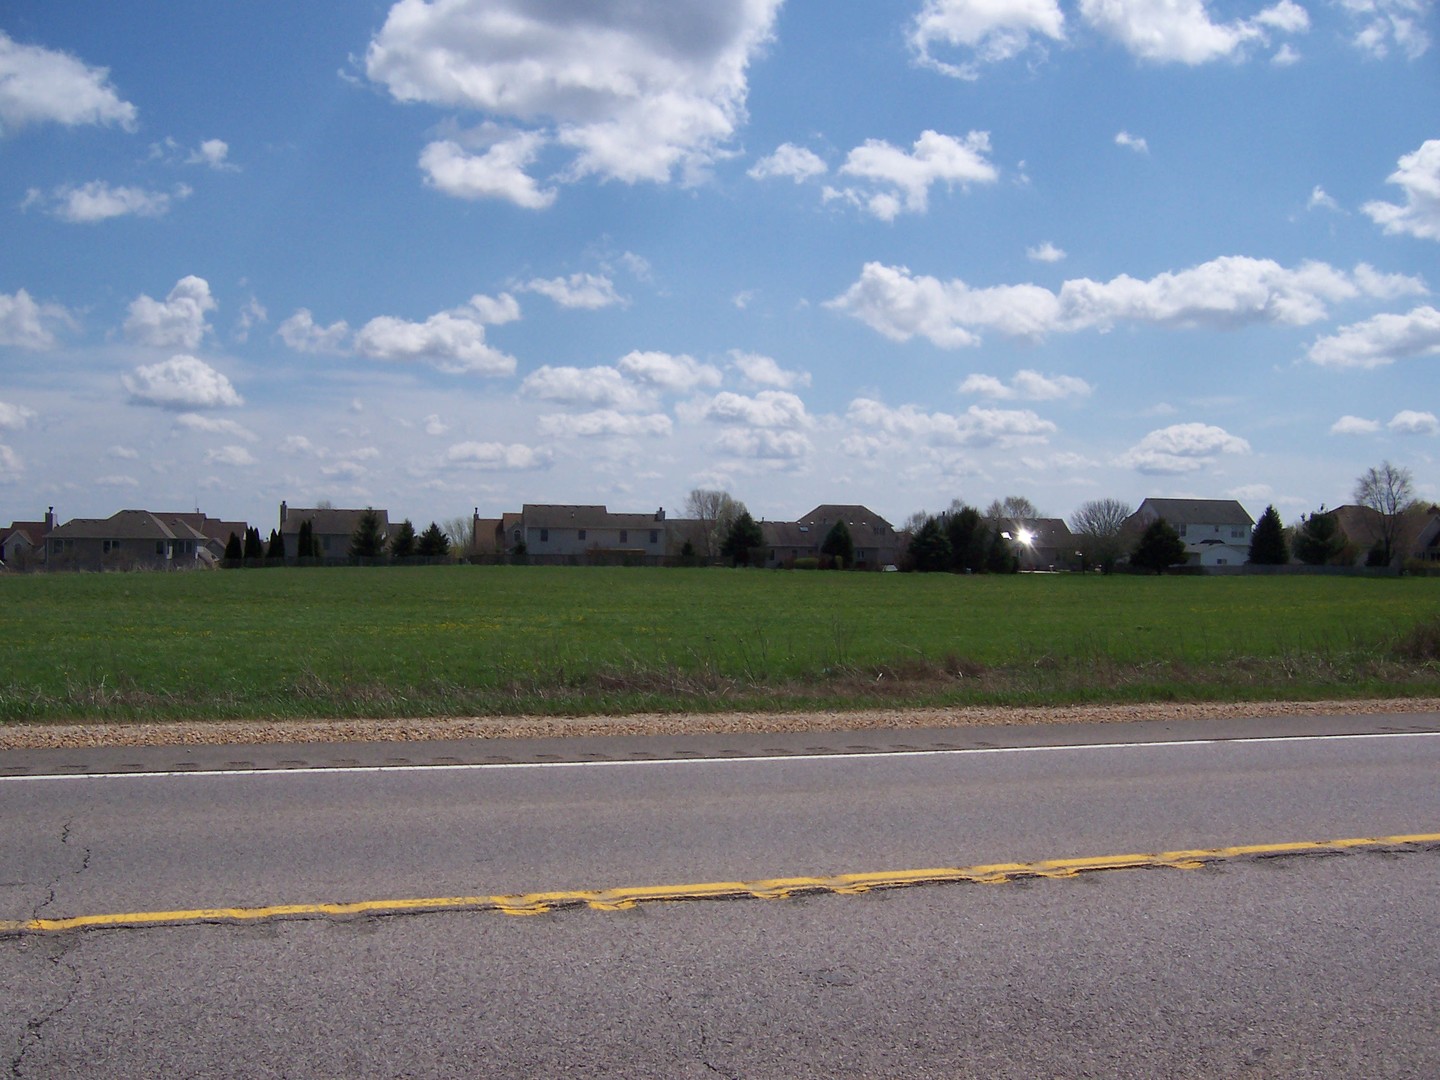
(620, 899)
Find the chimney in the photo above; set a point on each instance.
(50, 519)
(284, 511)
(660, 514)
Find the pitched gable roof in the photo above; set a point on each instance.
(1196, 512)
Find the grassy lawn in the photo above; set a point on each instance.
(468, 640)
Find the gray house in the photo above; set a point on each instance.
(128, 540)
(332, 528)
(876, 541)
(1216, 531)
(573, 533)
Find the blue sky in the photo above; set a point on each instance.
(474, 253)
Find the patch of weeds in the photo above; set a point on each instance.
(1421, 644)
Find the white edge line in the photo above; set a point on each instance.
(880, 755)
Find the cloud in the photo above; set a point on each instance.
(1181, 31)
(1226, 292)
(1045, 253)
(985, 31)
(975, 427)
(1354, 425)
(434, 425)
(252, 312)
(633, 91)
(905, 178)
(214, 153)
(15, 417)
(1029, 385)
(24, 324)
(767, 409)
(450, 341)
(595, 386)
(588, 291)
(787, 446)
(1132, 142)
(498, 173)
(1380, 341)
(177, 322)
(676, 374)
(1411, 422)
(39, 85)
(1419, 177)
(497, 456)
(1384, 23)
(182, 382)
(1181, 448)
(302, 334)
(1319, 200)
(760, 370)
(796, 162)
(215, 426)
(236, 456)
(97, 201)
(606, 422)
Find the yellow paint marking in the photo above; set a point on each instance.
(623, 899)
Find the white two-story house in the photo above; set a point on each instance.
(1216, 531)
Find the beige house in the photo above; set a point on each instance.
(1216, 531)
(333, 529)
(128, 540)
(22, 545)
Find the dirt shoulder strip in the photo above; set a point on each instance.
(30, 736)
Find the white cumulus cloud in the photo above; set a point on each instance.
(176, 322)
(39, 85)
(1354, 425)
(182, 382)
(1028, 385)
(984, 31)
(975, 427)
(1414, 422)
(604, 423)
(450, 341)
(759, 370)
(215, 425)
(1182, 448)
(1384, 24)
(497, 456)
(497, 173)
(15, 417)
(1132, 142)
(26, 324)
(588, 291)
(631, 91)
(1045, 253)
(1379, 341)
(904, 178)
(1225, 292)
(234, 456)
(796, 162)
(603, 387)
(303, 334)
(767, 409)
(1182, 31)
(98, 201)
(672, 373)
(1419, 177)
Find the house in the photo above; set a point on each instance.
(1216, 531)
(1041, 543)
(786, 541)
(22, 545)
(875, 539)
(1364, 529)
(570, 533)
(217, 533)
(333, 529)
(127, 540)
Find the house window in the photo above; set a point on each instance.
(654, 536)
(580, 533)
(325, 543)
(544, 535)
(159, 546)
(1181, 530)
(109, 545)
(624, 536)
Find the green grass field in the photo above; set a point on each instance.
(472, 640)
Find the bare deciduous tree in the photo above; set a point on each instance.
(460, 531)
(716, 511)
(1098, 526)
(1389, 490)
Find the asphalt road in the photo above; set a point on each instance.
(1294, 966)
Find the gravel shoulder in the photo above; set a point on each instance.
(221, 733)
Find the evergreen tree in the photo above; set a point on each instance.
(307, 545)
(366, 542)
(1000, 557)
(254, 546)
(965, 531)
(1267, 544)
(930, 547)
(1159, 547)
(744, 536)
(839, 545)
(1318, 541)
(433, 543)
(402, 544)
(234, 550)
(275, 550)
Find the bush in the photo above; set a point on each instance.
(1422, 643)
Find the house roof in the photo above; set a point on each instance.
(32, 531)
(329, 522)
(856, 518)
(1196, 512)
(584, 516)
(126, 525)
(790, 534)
(1045, 532)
